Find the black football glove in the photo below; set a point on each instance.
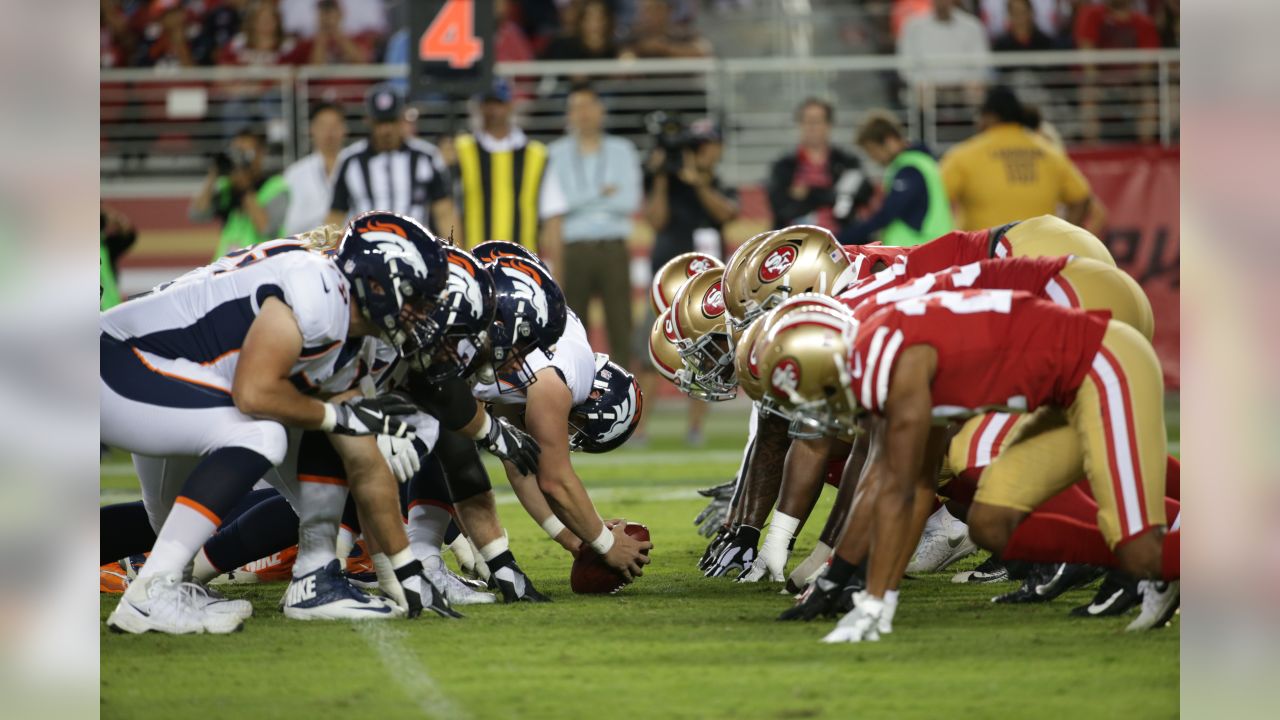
(712, 517)
(737, 554)
(512, 444)
(374, 416)
(420, 594)
(723, 534)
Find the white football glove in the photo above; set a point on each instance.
(860, 624)
(772, 559)
(809, 568)
(401, 455)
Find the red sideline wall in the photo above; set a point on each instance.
(1138, 185)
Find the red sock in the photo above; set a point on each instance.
(962, 488)
(1173, 478)
(1171, 557)
(1049, 537)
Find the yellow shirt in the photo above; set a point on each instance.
(1009, 173)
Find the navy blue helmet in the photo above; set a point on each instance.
(490, 250)
(531, 315)
(398, 272)
(465, 315)
(610, 414)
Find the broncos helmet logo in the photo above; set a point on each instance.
(465, 291)
(400, 253)
(618, 416)
(529, 290)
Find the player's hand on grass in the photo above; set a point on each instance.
(738, 553)
(371, 416)
(860, 624)
(712, 517)
(771, 562)
(507, 442)
(402, 454)
(722, 537)
(628, 555)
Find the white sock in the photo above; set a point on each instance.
(319, 512)
(184, 532)
(427, 525)
(891, 598)
(346, 541)
(495, 548)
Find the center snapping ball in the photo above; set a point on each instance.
(591, 576)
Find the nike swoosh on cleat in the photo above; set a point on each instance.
(140, 611)
(956, 542)
(1098, 608)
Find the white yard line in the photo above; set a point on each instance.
(410, 673)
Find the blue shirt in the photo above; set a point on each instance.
(594, 215)
(908, 201)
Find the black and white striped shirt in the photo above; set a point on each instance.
(406, 180)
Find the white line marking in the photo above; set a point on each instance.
(402, 664)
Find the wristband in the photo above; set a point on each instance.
(484, 429)
(604, 543)
(553, 527)
(330, 418)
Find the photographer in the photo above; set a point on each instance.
(250, 204)
(687, 207)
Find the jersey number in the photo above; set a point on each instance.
(451, 36)
(960, 303)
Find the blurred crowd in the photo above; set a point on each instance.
(143, 33)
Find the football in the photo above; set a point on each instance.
(591, 576)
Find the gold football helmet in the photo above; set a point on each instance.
(672, 275)
(662, 347)
(745, 359)
(702, 338)
(796, 259)
(804, 367)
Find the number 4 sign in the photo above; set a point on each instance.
(451, 36)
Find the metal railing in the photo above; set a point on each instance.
(166, 124)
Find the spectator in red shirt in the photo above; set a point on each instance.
(510, 42)
(1127, 92)
(168, 33)
(261, 42)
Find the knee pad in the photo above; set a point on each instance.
(265, 437)
(465, 476)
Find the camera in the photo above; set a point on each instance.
(233, 158)
(670, 134)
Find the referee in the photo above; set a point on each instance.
(392, 172)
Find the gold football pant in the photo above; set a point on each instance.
(1092, 285)
(1050, 236)
(1113, 433)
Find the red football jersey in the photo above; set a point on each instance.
(955, 248)
(863, 258)
(1029, 274)
(997, 350)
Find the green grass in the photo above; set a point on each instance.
(674, 645)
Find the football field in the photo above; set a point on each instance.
(673, 645)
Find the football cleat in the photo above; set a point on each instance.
(990, 570)
(1045, 582)
(1159, 602)
(515, 585)
(112, 579)
(164, 603)
(942, 544)
(216, 602)
(325, 594)
(276, 567)
(823, 598)
(454, 588)
(861, 624)
(1116, 595)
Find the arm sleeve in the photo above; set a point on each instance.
(450, 402)
(908, 187)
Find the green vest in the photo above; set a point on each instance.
(238, 231)
(937, 218)
(108, 295)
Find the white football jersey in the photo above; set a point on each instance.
(572, 356)
(193, 328)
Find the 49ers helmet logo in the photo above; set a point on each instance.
(669, 329)
(786, 377)
(697, 265)
(713, 301)
(777, 263)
